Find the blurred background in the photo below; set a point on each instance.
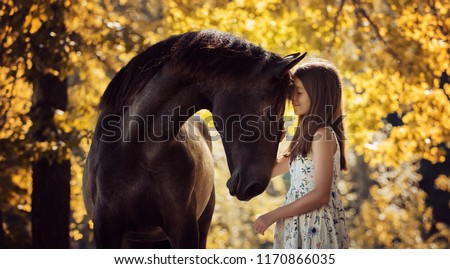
(57, 57)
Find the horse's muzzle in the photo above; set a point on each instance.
(244, 191)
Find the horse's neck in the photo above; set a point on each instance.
(166, 109)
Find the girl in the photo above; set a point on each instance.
(312, 215)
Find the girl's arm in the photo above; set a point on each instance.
(281, 166)
(323, 148)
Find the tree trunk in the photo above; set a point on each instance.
(2, 232)
(51, 204)
(51, 177)
(50, 215)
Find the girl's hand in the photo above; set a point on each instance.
(263, 222)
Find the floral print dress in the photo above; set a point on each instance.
(322, 228)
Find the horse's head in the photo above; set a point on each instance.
(248, 115)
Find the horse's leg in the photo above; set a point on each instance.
(162, 244)
(147, 245)
(183, 231)
(204, 222)
(108, 231)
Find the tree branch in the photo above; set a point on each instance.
(338, 13)
(441, 25)
(362, 11)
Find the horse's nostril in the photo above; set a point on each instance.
(233, 184)
(252, 190)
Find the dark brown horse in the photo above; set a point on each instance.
(149, 173)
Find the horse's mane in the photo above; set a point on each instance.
(204, 53)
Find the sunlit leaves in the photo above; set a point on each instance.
(396, 215)
(88, 49)
(391, 55)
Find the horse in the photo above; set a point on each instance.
(149, 174)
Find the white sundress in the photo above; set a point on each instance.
(321, 228)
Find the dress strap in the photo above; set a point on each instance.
(335, 137)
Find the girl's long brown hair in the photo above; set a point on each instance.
(323, 85)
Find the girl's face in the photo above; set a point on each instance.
(300, 99)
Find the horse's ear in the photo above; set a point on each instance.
(290, 61)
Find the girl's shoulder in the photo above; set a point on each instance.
(325, 133)
(324, 138)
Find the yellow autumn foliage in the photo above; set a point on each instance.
(392, 56)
